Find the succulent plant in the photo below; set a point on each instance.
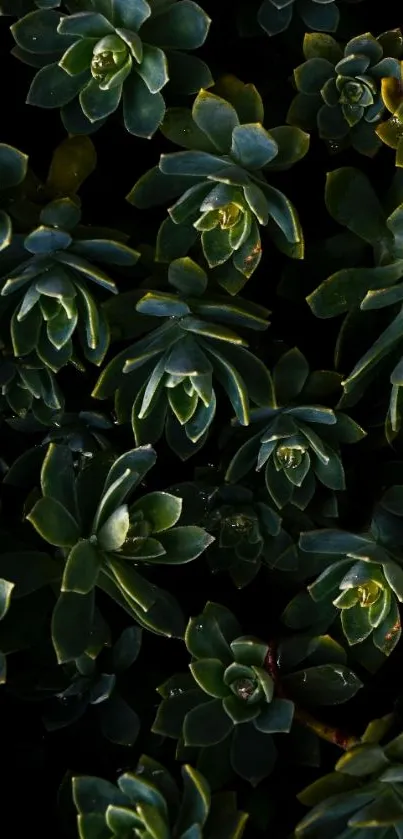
(339, 90)
(229, 705)
(148, 802)
(361, 290)
(298, 440)
(360, 579)
(13, 169)
(103, 541)
(363, 796)
(219, 181)
(104, 53)
(167, 378)
(248, 533)
(90, 682)
(391, 130)
(17, 8)
(46, 297)
(27, 385)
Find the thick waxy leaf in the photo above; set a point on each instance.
(72, 621)
(52, 87)
(328, 684)
(38, 32)
(216, 118)
(253, 753)
(82, 568)
(160, 509)
(352, 202)
(54, 523)
(209, 675)
(253, 146)
(143, 111)
(184, 26)
(206, 724)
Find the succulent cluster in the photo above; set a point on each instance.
(340, 90)
(205, 569)
(101, 54)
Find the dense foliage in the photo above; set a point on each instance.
(201, 406)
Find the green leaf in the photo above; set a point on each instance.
(183, 544)
(85, 25)
(113, 532)
(351, 200)
(290, 375)
(58, 477)
(327, 684)
(37, 32)
(28, 571)
(276, 717)
(77, 58)
(143, 111)
(119, 722)
(153, 68)
(182, 26)
(206, 724)
(209, 675)
(285, 216)
(54, 523)
(252, 146)
(312, 75)
(362, 759)
(72, 622)
(13, 166)
(6, 589)
(97, 103)
(52, 87)
(160, 509)
(292, 144)
(127, 648)
(349, 286)
(216, 118)
(328, 541)
(82, 568)
(253, 754)
(92, 794)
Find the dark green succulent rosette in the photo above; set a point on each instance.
(227, 709)
(148, 803)
(298, 439)
(47, 298)
(219, 182)
(339, 91)
(167, 380)
(369, 290)
(359, 580)
(92, 682)
(103, 541)
(105, 52)
(13, 169)
(363, 796)
(248, 533)
(28, 386)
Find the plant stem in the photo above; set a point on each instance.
(326, 732)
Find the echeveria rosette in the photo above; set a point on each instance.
(28, 386)
(220, 183)
(148, 802)
(363, 796)
(339, 91)
(92, 682)
(298, 440)
(361, 290)
(168, 379)
(361, 583)
(13, 169)
(248, 534)
(47, 297)
(102, 54)
(226, 709)
(103, 542)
